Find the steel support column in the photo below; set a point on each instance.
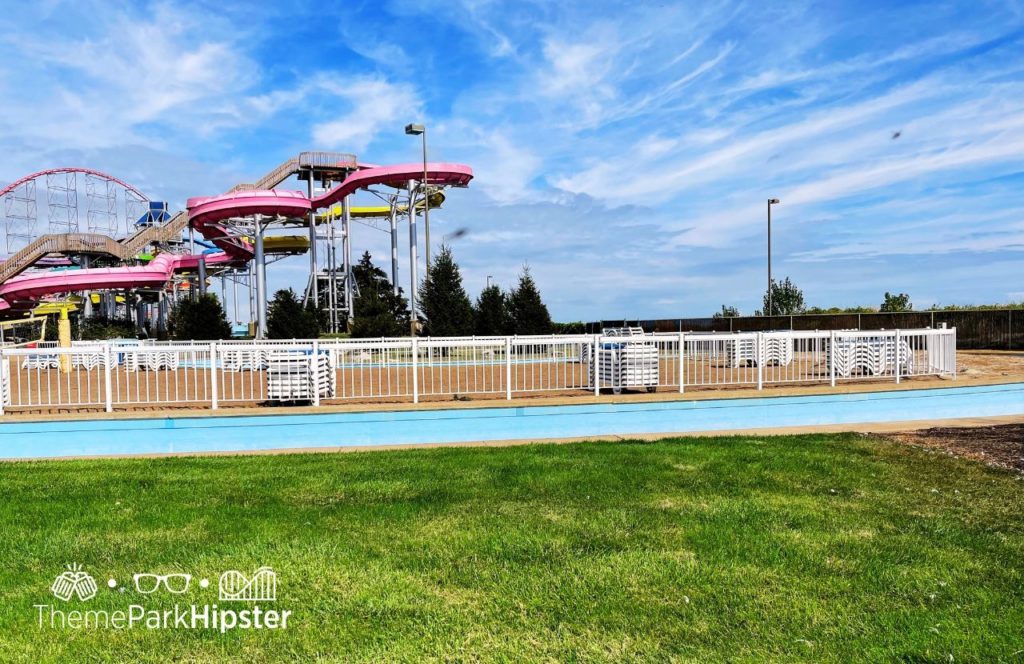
(412, 258)
(313, 278)
(202, 276)
(261, 283)
(393, 218)
(346, 222)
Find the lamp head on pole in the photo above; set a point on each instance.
(771, 201)
(414, 129)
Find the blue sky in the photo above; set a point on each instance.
(625, 151)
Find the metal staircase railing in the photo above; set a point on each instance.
(313, 160)
(271, 179)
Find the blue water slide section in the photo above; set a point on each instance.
(210, 248)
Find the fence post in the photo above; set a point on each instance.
(508, 368)
(951, 348)
(897, 335)
(595, 370)
(108, 398)
(5, 387)
(682, 362)
(415, 370)
(832, 356)
(759, 357)
(314, 364)
(213, 375)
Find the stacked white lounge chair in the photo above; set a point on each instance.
(777, 350)
(870, 356)
(42, 361)
(89, 360)
(151, 360)
(294, 375)
(630, 363)
(85, 355)
(742, 351)
(5, 382)
(240, 359)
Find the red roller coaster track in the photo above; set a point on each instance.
(71, 169)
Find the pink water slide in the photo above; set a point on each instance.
(153, 275)
(205, 214)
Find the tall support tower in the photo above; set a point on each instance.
(20, 214)
(330, 284)
(101, 194)
(62, 201)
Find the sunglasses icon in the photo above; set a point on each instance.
(174, 583)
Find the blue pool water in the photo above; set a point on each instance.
(263, 432)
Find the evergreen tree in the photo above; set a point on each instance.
(288, 319)
(490, 314)
(99, 327)
(443, 301)
(199, 319)
(898, 302)
(378, 311)
(787, 299)
(529, 313)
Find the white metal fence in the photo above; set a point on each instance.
(131, 374)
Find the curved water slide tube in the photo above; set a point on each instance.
(205, 214)
(155, 275)
(437, 199)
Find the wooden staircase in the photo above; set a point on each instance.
(91, 243)
(271, 179)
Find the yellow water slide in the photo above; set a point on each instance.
(377, 211)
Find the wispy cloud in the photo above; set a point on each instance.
(373, 104)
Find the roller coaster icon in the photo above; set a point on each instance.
(234, 586)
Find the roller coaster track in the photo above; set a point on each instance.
(127, 249)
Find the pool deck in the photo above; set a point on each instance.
(506, 424)
(879, 428)
(576, 398)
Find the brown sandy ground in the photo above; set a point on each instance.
(1001, 446)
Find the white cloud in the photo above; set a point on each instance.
(374, 103)
(503, 167)
(576, 66)
(135, 71)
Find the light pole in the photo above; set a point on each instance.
(421, 130)
(771, 202)
(489, 277)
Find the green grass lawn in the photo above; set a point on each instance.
(817, 548)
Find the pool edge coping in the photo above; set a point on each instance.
(870, 428)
